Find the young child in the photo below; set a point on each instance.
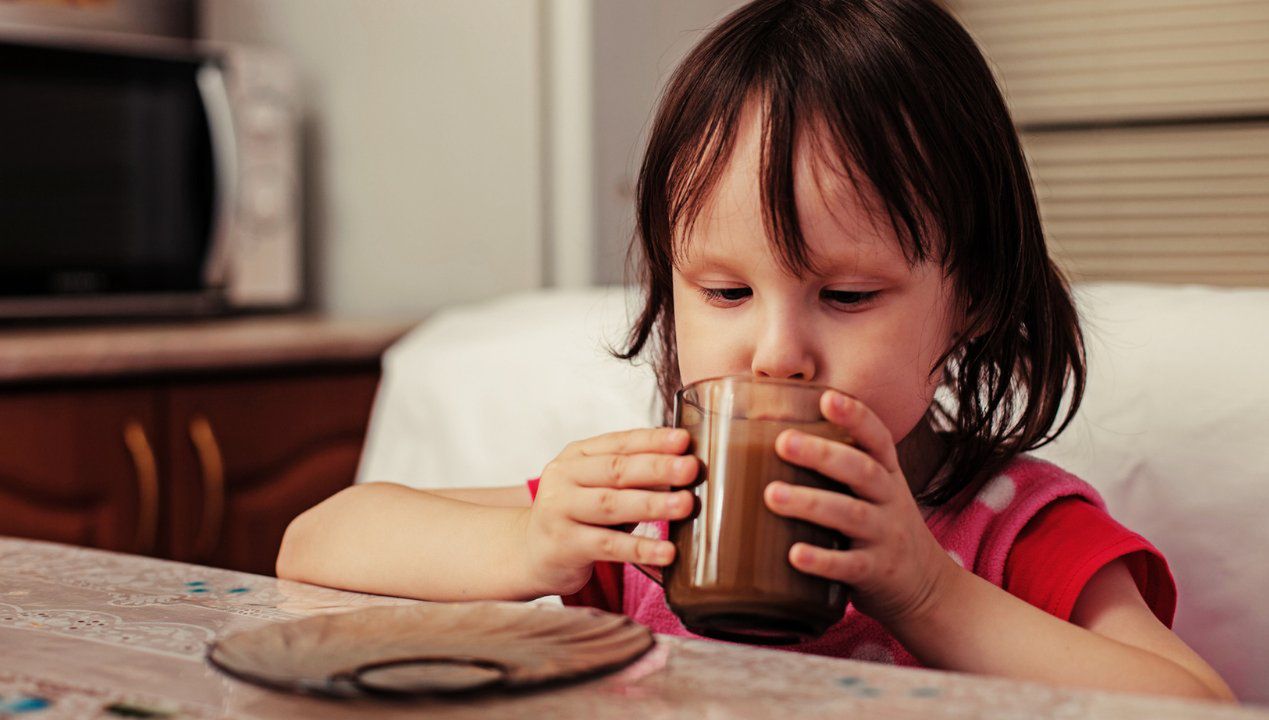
(832, 192)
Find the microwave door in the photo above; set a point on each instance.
(109, 188)
(215, 96)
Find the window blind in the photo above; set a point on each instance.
(1146, 125)
(1079, 60)
(1164, 204)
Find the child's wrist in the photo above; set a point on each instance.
(941, 595)
(525, 564)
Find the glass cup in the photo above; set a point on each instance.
(731, 578)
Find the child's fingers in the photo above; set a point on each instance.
(852, 567)
(850, 516)
(601, 544)
(625, 442)
(641, 470)
(865, 427)
(609, 506)
(843, 463)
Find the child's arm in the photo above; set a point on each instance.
(946, 616)
(393, 540)
(1113, 641)
(514, 496)
(491, 543)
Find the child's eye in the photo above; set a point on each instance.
(726, 295)
(850, 298)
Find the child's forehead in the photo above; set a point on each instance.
(841, 227)
(825, 214)
(843, 257)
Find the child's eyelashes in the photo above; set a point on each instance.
(849, 298)
(731, 296)
(725, 296)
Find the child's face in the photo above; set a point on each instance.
(871, 325)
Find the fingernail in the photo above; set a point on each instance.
(839, 401)
(683, 464)
(798, 554)
(793, 441)
(779, 492)
(665, 553)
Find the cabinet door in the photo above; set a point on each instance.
(248, 455)
(78, 466)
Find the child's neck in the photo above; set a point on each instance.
(921, 455)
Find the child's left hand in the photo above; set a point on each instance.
(895, 566)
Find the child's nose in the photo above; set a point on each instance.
(782, 352)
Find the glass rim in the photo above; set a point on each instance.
(757, 380)
(679, 395)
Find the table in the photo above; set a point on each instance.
(88, 633)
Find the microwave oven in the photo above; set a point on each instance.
(146, 176)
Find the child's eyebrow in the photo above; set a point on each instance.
(840, 270)
(853, 269)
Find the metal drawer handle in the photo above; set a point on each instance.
(147, 472)
(209, 457)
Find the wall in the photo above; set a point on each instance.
(458, 150)
(636, 47)
(422, 149)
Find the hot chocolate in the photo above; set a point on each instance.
(731, 578)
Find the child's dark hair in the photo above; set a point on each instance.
(901, 92)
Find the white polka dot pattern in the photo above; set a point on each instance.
(998, 493)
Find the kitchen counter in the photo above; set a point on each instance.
(89, 633)
(102, 352)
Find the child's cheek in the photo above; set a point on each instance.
(704, 348)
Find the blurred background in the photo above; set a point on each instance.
(1146, 123)
(252, 250)
(453, 151)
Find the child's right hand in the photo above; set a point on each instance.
(596, 485)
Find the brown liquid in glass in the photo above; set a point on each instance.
(731, 578)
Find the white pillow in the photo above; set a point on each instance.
(486, 395)
(1174, 432)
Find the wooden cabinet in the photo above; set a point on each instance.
(248, 456)
(208, 471)
(196, 440)
(80, 466)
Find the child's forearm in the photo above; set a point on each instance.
(393, 540)
(980, 628)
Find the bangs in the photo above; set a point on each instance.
(826, 102)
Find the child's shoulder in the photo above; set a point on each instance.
(1044, 533)
(1028, 484)
(980, 527)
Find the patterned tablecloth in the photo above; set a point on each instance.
(85, 633)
